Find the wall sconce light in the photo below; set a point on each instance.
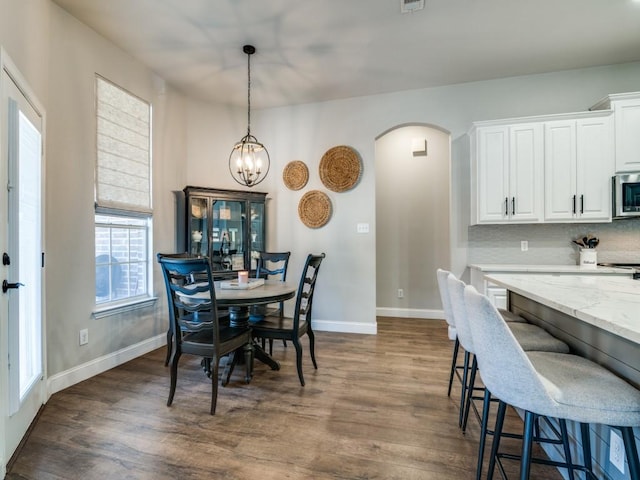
(419, 147)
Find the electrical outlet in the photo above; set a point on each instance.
(400, 293)
(524, 245)
(84, 336)
(616, 451)
(362, 228)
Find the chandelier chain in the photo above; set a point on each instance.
(249, 94)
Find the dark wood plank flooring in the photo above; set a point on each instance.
(375, 409)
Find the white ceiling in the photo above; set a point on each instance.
(317, 50)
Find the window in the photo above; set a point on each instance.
(123, 216)
(121, 257)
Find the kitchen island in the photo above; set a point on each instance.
(598, 316)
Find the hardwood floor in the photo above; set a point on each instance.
(375, 409)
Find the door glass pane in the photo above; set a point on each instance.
(199, 227)
(257, 232)
(29, 326)
(229, 219)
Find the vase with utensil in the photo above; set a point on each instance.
(588, 254)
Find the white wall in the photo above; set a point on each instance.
(59, 57)
(305, 132)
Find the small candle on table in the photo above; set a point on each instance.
(243, 277)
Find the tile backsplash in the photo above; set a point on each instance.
(550, 244)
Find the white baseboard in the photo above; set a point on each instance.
(410, 313)
(345, 327)
(70, 377)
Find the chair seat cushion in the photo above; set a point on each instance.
(585, 391)
(277, 324)
(533, 338)
(510, 316)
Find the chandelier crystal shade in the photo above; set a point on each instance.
(249, 160)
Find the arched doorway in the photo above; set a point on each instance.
(412, 218)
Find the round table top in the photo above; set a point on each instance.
(271, 292)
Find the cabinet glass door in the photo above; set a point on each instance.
(199, 226)
(229, 223)
(257, 232)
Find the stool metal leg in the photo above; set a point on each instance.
(472, 384)
(586, 446)
(463, 392)
(565, 444)
(631, 450)
(483, 432)
(527, 441)
(454, 361)
(497, 432)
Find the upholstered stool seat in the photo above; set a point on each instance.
(511, 317)
(562, 386)
(533, 338)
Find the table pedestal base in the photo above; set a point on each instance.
(239, 317)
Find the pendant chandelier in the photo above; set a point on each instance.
(249, 160)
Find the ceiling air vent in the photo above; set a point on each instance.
(408, 6)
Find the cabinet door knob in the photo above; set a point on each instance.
(513, 205)
(581, 204)
(506, 206)
(574, 204)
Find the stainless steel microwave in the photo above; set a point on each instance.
(626, 195)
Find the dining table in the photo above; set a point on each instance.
(240, 300)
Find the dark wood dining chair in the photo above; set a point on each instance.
(223, 314)
(285, 328)
(195, 328)
(271, 265)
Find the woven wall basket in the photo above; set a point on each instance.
(314, 209)
(295, 175)
(340, 168)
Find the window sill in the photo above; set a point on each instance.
(116, 309)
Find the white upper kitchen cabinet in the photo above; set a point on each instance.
(507, 172)
(626, 108)
(578, 165)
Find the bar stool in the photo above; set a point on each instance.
(548, 384)
(530, 337)
(451, 329)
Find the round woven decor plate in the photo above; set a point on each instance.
(314, 209)
(340, 168)
(295, 175)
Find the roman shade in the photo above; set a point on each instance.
(123, 167)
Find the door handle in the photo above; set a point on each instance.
(6, 285)
(506, 206)
(581, 204)
(574, 204)
(513, 205)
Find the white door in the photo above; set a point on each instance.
(22, 375)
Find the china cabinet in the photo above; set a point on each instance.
(228, 226)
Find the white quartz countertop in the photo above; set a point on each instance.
(609, 302)
(487, 267)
